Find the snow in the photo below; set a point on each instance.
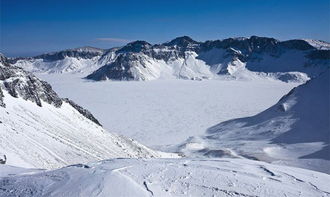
(295, 131)
(167, 64)
(174, 116)
(50, 137)
(165, 177)
(319, 44)
(66, 65)
(164, 113)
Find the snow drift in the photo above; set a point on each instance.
(165, 177)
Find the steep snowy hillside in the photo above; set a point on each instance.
(184, 58)
(39, 129)
(165, 177)
(295, 131)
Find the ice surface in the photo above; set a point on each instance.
(166, 112)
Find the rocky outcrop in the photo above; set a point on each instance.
(82, 52)
(2, 103)
(82, 111)
(20, 83)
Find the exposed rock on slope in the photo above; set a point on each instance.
(20, 83)
(83, 111)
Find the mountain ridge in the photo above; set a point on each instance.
(185, 58)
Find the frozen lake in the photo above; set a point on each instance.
(162, 113)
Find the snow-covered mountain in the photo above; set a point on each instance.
(165, 177)
(39, 129)
(295, 131)
(184, 58)
(77, 60)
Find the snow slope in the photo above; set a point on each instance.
(295, 131)
(66, 65)
(49, 137)
(318, 44)
(38, 129)
(78, 60)
(165, 177)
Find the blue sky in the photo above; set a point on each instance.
(37, 26)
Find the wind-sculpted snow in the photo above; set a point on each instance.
(295, 131)
(165, 177)
(141, 60)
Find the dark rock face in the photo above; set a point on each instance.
(182, 42)
(85, 53)
(245, 45)
(21, 83)
(297, 44)
(135, 47)
(2, 103)
(117, 70)
(3, 62)
(320, 54)
(82, 111)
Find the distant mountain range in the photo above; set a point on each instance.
(185, 58)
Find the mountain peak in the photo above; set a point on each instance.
(182, 41)
(135, 46)
(87, 49)
(139, 42)
(265, 40)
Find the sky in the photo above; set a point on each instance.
(37, 26)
